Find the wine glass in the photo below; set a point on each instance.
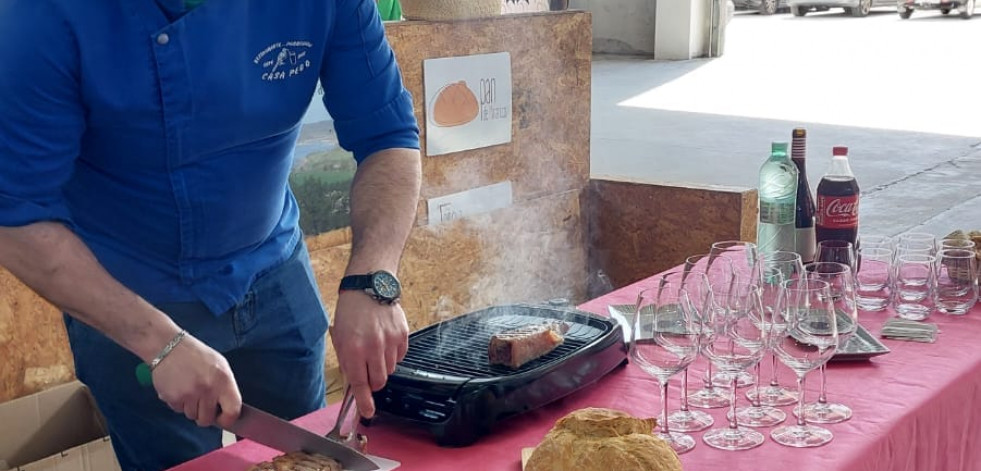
(808, 338)
(735, 339)
(841, 282)
(666, 341)
(718, 271)
(778, 267)
(700, 295)
(745, 259)
(839, 251)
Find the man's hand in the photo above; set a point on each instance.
(369, 338)
(196, 381)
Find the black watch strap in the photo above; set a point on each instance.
(352, 282)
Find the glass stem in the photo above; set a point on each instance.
(759, 391)
(664, 408)
(708, 378)
(733, 422)
(684, 390)
(800, 400)
(773, 371)
(823, 397)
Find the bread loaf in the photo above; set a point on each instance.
(603, 440)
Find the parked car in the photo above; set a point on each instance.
(852, 7)
(965, 7)
(765, 7)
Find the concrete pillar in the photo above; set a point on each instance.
(621, 26)
(682, 29)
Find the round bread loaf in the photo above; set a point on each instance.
(602, 440)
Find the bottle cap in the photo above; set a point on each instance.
(839, 150)
(778, 147)
(799, 133)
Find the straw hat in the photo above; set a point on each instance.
(441, 10)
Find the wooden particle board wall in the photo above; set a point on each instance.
(639, 228)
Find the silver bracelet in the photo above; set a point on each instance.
(167, 349)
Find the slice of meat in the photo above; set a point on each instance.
(513, 348)
(299, 461)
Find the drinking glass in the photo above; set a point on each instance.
(957, 244)
(838, 251)
(916, 282)
(745, 258)
(842, 285)
(874, 280)
(666, 341)
(808, 338)
(735, 340)
(718, 272)
(700, 295)
(778, 267)
(919, 237)
(913, 247)
(957, 281)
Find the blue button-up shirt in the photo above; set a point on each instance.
(165, 138)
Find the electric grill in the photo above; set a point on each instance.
(447, 385)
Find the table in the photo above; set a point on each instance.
(916, 409)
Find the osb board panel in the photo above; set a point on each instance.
(550, 69)
(529, 252)
(637, 229)
(34, 352)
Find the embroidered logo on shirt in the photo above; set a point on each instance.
(280, 61)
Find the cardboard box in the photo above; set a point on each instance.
(59, 429)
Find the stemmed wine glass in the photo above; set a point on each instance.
(718, 271)
(778, 267)
(700, 295)
(745, 259)
(839, 251)
(667, 337)
(808, 338)
(841, 283)
(735, 338)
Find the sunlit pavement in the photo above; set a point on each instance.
(904, 95)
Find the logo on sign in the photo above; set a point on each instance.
(282, 60)
(838, 212)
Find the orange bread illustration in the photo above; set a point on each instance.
(455, 105)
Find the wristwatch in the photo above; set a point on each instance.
(381, 285)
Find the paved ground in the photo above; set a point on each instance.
(905, 97)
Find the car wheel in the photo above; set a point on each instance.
(945, 11)
(863, 8)
(905, 13)
(768, 7)
(798, 11)
(968, 10)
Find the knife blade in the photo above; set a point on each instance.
(269, 430)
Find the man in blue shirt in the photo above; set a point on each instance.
(145, 149)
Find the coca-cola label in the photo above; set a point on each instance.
(837, 212)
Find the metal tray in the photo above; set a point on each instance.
(861, 346)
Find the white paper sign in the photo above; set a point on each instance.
(524, 6)
(475, 201)
(468, 102)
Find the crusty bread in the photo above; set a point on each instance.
(603, 440)
(298, 461)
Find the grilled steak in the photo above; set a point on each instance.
(299, 461)
(515, 347)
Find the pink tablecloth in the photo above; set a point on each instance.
(916, 409)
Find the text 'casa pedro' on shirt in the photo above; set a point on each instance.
(163, 135)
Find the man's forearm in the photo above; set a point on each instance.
(384, 197)
(54, 262)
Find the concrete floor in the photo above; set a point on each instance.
(903, 95)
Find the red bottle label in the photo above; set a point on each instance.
(837, 212)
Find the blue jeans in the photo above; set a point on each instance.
(273, 340)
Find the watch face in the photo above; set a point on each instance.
(386, 285)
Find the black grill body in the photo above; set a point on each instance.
(447, 385)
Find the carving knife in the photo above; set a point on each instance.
(269, 430)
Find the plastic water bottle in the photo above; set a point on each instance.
(778, 202)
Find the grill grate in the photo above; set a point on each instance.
(458, 347)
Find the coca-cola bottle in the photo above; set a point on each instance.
(804, 217)
(837, 201)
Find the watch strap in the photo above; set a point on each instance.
(356, 282)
